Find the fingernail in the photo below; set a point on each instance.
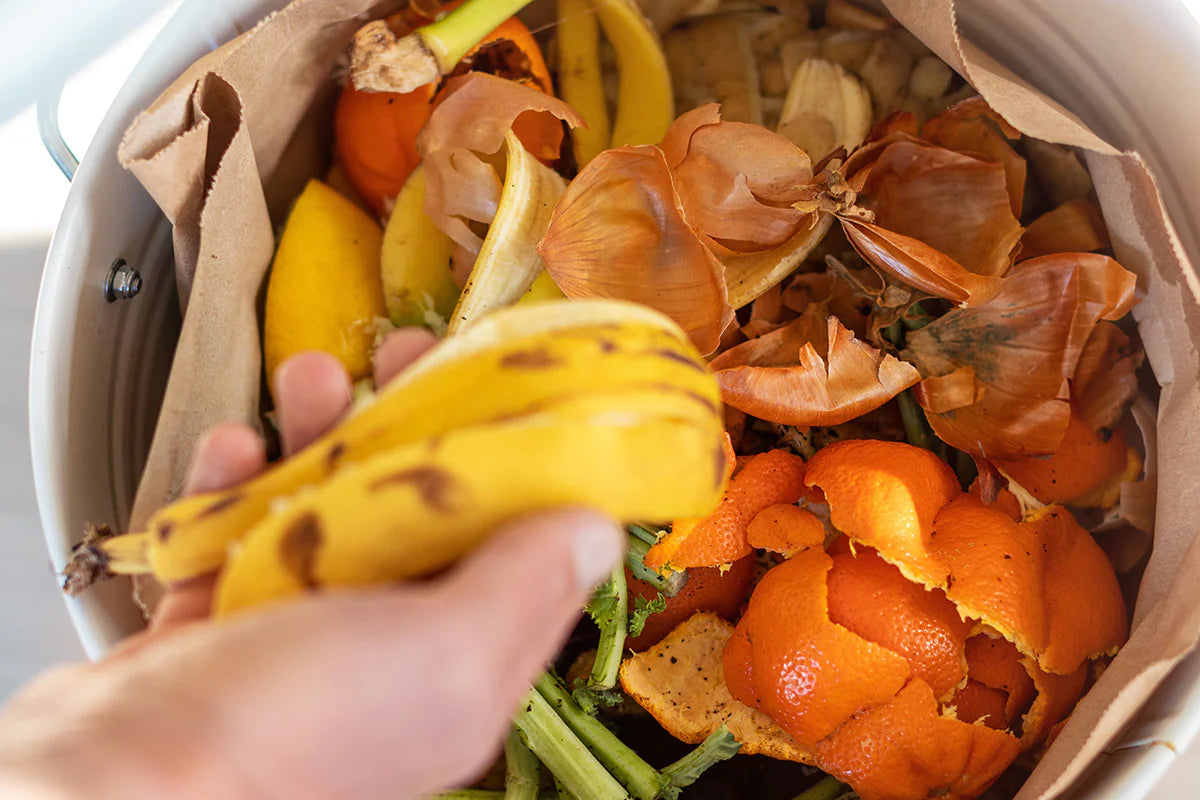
(597, 544)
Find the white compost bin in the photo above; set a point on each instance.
(1130, 69)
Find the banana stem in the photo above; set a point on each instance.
(452, 37)
(610, 609)
(643, 781)
(469, 794)
(522, 770)
(717, 747)
(549, 737)
(102, 555)
(827, 789)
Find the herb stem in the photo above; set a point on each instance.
(717, 747)
(549, 737)
(827, 789)
(610, 610)
(916, 430)
(669, 583)
(522, 770)
(643, 781)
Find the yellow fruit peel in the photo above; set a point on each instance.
(418, 508)
(515, 362)
(325, 291)
(418, 285)
(508, 264)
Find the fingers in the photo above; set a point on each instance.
(519, 595)
(226, 456)
(185, 602)
(312, 392)
(399, 351)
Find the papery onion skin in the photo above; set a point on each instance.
(811, 372)
(1024, 346)
(619, 232)
(472, 117)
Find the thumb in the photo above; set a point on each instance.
(519, 596)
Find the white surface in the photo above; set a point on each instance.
(33, 627)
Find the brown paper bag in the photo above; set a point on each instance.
(224, 147)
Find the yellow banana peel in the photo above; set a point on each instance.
(581, 77)
(508, 263)
(515, 363)
(750, 276)
(417, 283)
(544, 288)
(418, 508)
(645, 103)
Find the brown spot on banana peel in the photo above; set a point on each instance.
(538, 358)
(722, 465)
(223, 504)
(299, 547)
(435, 486)
(163, 530)
(335, 455)
(678, 357)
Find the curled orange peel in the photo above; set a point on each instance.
(1042, 583)
(765, 480)
(1085, 470)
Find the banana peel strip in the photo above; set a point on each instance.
(508, 262)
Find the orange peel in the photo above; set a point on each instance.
(935, 640)
(786, 529)
(870, 597)
(767, 479)
(680, 681)
(996, 664)
(976, 703)
(809, 674)
(1043, 584)
(707, 589)
(906, 749)
(1082, 471)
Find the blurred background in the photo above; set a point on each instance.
(34, 629)
(35, 632)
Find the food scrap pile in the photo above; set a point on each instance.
(773, 285)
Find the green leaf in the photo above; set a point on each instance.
(719, 746)
(642, 609)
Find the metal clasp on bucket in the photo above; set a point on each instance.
(122, 282)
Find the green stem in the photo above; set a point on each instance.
(669, 584)
(719, 746)
(827, 789)
(551, 740)
(916, 317)
(915, 428)
(469, 794)
(522, 770)
(643, 534)
(561, 792)
(610, 609)
(642, 780)
(454, 35)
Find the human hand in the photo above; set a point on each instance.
(387, 693)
